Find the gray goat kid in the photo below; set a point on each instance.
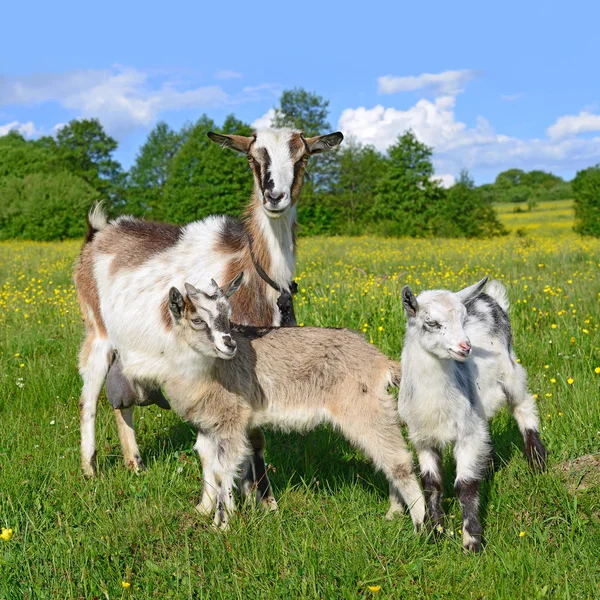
(291, 378)
(445, 398)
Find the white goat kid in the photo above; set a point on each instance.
(292, 378)
(445, 398)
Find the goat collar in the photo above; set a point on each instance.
(284, 302)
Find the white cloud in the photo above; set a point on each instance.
(445, 83)
(456, 145)
(445, 180)
(265, 121)
(226, 74)
(122, 98)
(26, 129)
(511, 97)
(571, 125)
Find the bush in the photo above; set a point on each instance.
(586, 190)
(44, 206)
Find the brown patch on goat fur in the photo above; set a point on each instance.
(134, 241)
(403, 471)
(165, 315)
(87, 292)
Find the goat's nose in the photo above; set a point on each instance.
(465, 345)
(229, 342)
(274, 198)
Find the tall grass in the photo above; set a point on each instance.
(84, 539)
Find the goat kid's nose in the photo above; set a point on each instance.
(465, 345)
(274, 198)
(229, 342)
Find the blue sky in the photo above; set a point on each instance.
(488, 85)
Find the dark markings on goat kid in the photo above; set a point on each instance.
(486, 309)
(467, 493)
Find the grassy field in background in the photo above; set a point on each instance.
(128, 536)
(548, 218)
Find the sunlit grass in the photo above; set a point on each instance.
(138, 536)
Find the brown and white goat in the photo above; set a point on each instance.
(125, 266)
(228, 381)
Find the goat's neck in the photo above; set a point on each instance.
(273, 242)
(419, 362)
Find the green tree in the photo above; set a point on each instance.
(586, 190)
(205, 179)
(86, 150)
(464, 213)
(149, 174)
(19, 157)
(406, 195)
(302, 110)
(44, 206)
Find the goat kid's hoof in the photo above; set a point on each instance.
(269, 504)
(135, 465)
(89, 469)
(472, 544)
(392, 512)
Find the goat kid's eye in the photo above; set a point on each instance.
(250, 159)
(198, 321)
(433, 324)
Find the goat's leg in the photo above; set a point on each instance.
(430, 463)
(524, 409)
(131, 452)
(254, 473)
(93, 364)
(206, 447)
(381, 439)
(472, 454)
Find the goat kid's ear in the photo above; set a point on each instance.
(176, 303)
(409, 302)
(324, 143)
(239, 143)
(234, 286)
(472, 291)
(191, 291)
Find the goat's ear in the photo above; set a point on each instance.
(176, 303)
(409, 302)
(324, 143)
(234, 286)
(239, 143)
(191, 291)
(472, 291)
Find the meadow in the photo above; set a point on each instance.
(123, 535)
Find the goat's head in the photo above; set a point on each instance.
(437, 320)
(202, 318)
(278, 159)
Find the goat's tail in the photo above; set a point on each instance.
(498, 292)
(96, 221)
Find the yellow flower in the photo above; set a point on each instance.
(553, 380)
(126, 584)
(570, 381)
(6, 534)
(374, 588)
(521, 534)
(17, 354)
(553, 325)
(546, 366)
(597, 370)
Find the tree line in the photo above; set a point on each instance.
(48, 184)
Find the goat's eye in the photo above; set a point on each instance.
(198, 321)
(250, 159)
(432, 324)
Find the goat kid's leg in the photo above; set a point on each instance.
(525, 412)
(131, 452)
(430, 463)
(93, 364)
(381, 439)
(207, 450)
(472, 455)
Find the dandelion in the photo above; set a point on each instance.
(21, 365)
(374, 588)
(554, 325)
(126, 584)
(597, 370)
(6, 534)
(560, 414)
(570, 381)
(521, 534)
(553, 380)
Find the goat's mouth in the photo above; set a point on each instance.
(226, 354)
(274, 213)
(459, 355)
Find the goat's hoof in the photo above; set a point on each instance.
(472, 544)
(392, 512)
(89, 469)
(135, 464)
(269, 504)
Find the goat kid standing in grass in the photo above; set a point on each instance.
(227, 381)
(446, 397)
(126, 266)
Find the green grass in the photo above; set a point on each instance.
(75, 538)
(548, 218)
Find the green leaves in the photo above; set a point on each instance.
(586, 188)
